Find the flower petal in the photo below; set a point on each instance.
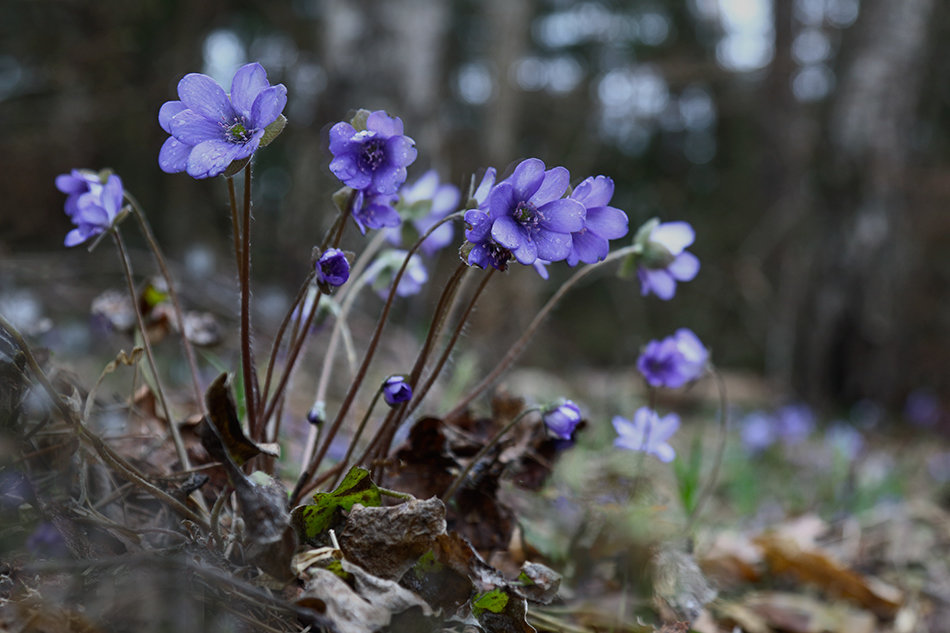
(268, 105)
(501, 201)
(384, 124)
(76, 236)
(527, 178)
(210, 158)
(526, 253)
(246, 86)
(400, 151)
(191, 128)
(553, 186)
(607, 222)
(675, 236)
(684, 267)
(552, 246)
(594, 191)
(202, 94)
(587, 247)
(660, 282)
(168, 110)
(563, 216)
(485, 186)
(341, 139)
(508, 233)
(663, 452)
(173, 157)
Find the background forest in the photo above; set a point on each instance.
(806, 140)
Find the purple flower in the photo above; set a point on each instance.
(424, 203)
(663, 259)
(602, 222)
(562, 419)
(922, 407)
(479, 248)
(76, 183)
(375, 156)
(396, 390)
(332, 267)
(375, 211)
(211, 129)
(794, 423)
(93, 210)
(382, 273)
(648, 432)
(845, 440)
(528, 215)
(673, 361)
(758, 432)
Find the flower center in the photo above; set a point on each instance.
(527, 215)
(372, 154)
(497, 254)
(237, 132)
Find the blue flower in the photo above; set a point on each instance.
(76, 183)
(396, 390)
(424, 203)
(94, 210)
(562, 419)
(382, 272)
(663, 259)
(373, 158)
(602, 222)
(674, 361)
(211, 129)
(332, 268)
(648, 432)
(375, 211)
(529, 216)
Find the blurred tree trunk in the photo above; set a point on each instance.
(848, 341)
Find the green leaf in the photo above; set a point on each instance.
(314, 519)
(495, 601)
(273, 130)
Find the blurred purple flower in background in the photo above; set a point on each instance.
(757, 431)
(922, 407)
(602, 222)
(790, 425)
(663, 259)
(674, 361)
(845, 440)
(92, 207)
(382, 272)
(372, 156)
(396, 390)
(562, 419)
(648, 432)
(422, 204)
(210, 129)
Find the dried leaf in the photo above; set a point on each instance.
(800, 614)
(313, 520)
(223, 418)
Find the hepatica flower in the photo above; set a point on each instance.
(371, 153)
(396, 390)
(602, 222)
(383, 270)
(91, 206)
(663, 259)
(375, 211)
(332, 268)
(674, 361)
(529, 216)
(422, 204)
(647, 432)
(562, 419)
(211, 129)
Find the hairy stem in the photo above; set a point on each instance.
(176, 304)
(172, 423)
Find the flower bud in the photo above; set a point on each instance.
(396, 390)
(562, 419)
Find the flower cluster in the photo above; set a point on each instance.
(370, 155)
(211, 129)
(674, 361)
(527, 217)
(93, 206)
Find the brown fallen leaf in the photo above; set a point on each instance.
(816, 566)
(801, 614)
